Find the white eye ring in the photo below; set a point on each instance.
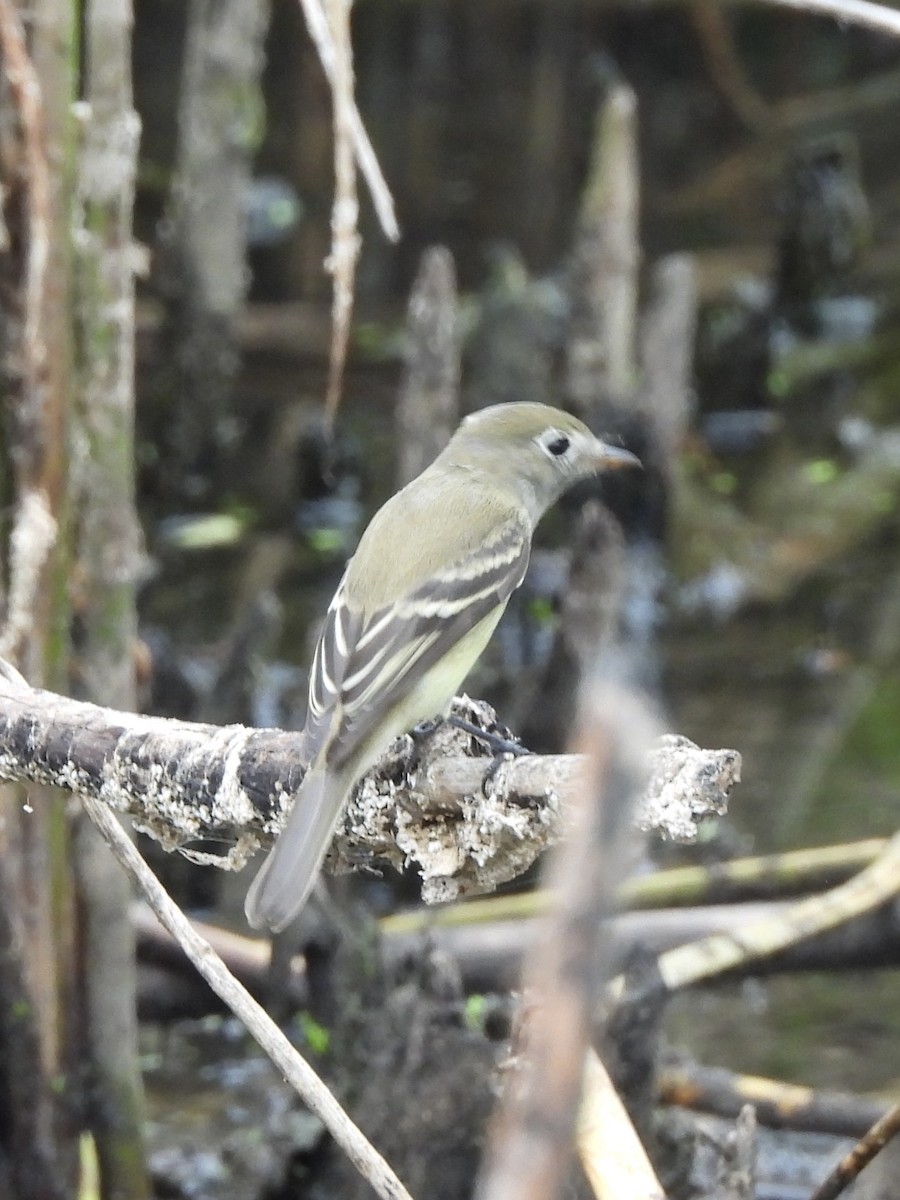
(555, 444)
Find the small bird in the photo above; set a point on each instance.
(416, 606)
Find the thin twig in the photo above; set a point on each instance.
(883, 1131)
(345, 239)
(292, 1065)
(317, 24)
(712, 24)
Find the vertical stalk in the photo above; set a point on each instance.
(108, 554)
(38, 1035)
(203, 243)
(600, 355)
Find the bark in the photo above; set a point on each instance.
(39, 1085)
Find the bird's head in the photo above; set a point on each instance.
(539, 450)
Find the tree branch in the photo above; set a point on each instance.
(204, 788)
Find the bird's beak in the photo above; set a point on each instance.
(612, 458)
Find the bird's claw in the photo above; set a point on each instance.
(494, 766)
(502, 749)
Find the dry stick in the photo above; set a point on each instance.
(860, 1156)
(721, 952)
(610, 1151)
(763, 876)
(317, 24)
(345, 239)
(778, 1105)
(530, 1146)
(735, 1177)
(600, 349)
(292, 1065)
(766, 876)
(531, 1141)
(490, 955)
(427, 409)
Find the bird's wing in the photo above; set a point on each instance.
(362, 667)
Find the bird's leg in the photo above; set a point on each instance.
(420, 735)
(495, 742)
(423, 731)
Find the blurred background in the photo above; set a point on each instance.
(765, 146)
(678, 219)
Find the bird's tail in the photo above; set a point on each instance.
(287, 876)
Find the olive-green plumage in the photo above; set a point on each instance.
(417, 605)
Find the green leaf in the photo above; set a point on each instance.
(476, 1007)
(317, 1037)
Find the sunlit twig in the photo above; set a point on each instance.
(292, 1065)
(317, 24)
(851, 1165)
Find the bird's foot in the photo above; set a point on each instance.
(502, 749)
(502, 746)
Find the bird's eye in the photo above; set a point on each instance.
(559, 445)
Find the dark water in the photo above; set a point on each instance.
(815, 715)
